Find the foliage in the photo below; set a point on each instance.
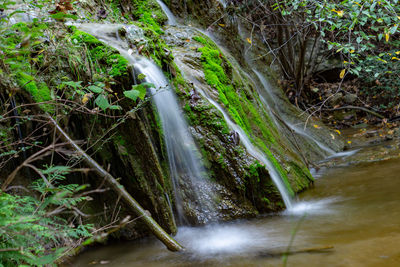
(38, 229)
(385, 87)
(138, 90)
(239, 101)
(355, 29)
(31, 232)
(306, 32)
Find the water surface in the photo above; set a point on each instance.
(356, 209)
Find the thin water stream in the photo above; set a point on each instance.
(193, 193)
(251, 149)
(353, 208)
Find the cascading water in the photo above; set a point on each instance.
(193, 194)
(251, 149)
(168, 13)
(271, 100)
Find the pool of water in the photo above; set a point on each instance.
(355, 209)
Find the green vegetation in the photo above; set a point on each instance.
(102, 54)
(361, 35)
(73, 75)
(31, 228)
(40, 93)
(239, 101)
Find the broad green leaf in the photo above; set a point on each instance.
(102, 102)
(95, 89)
(115, 107)
(132, 94)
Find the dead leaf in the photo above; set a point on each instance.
(342, 73)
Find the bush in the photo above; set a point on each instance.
(31, 233)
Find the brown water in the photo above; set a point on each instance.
(356, 209)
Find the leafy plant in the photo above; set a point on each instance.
(309, 31)
(31, 230)
(138, 91)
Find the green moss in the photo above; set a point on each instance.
(218, 72)
(266, 201)
(110, 61)
(150, 14)
(39, 91)
(236, 98)
(298, 172)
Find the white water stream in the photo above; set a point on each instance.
(192, 192)
(272, 101)
(168, 13)
(250, 147)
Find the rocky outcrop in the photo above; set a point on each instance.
(240, 43)
(228, 161)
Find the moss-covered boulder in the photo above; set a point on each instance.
(203, 69)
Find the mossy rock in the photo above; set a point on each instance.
(39, 91)
(110, 61)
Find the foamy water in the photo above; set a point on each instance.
(312, 207)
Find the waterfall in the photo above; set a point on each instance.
(193, 193)
(168, 13)
(251, 148)
(273, 101)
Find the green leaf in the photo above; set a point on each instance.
(73, 84)
(102, 102)
(95, 89)
(138, 90)
(132, 94)
(115, 107)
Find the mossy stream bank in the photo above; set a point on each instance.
(84, 82)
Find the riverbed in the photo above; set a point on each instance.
(352, 208)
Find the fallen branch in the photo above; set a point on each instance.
(154, 227)
(298, 251)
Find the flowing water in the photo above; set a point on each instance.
(168, 13)
(251, 149)
(355, 209)
(193, 194)
(272, 100)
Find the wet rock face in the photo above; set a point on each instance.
(205, 12)
(244, 186)
(233, 34)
